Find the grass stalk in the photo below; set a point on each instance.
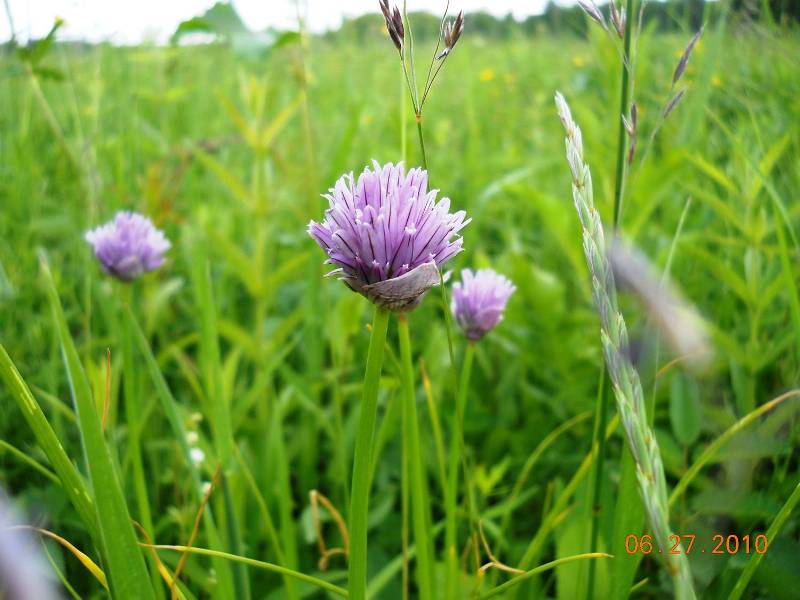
(627, 385)
(362, 458)
(420, 516)
(421, 141)
(131, 386)
(451, 498)
(596, 483)
(625, 88)
(170, 408)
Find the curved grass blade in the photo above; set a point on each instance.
(30, 461)
(718, 443)
(123, 559)
(531, 461)
(74, 485)
(774, 529)
(259, 564)
(87, 562)
(540, 569)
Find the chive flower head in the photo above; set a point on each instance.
(479, 300)
(387, 235)
(128, 246)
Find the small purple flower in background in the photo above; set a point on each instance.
(387, 235)
(128, 246)
(479, 300)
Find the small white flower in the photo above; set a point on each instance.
(197, 455)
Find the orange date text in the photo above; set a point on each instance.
(687, 543)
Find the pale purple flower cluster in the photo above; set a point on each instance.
(479, 301)
(128, 246)
(387, 235)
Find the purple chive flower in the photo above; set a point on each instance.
(387, 235)
(479, 301)
(128, 246)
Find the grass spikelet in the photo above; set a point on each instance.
(627, 386)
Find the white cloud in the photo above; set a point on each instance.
(122, 21)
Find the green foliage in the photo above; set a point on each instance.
(216, 150)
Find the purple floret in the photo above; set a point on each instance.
(479, 301)
(387, 235)
(128, 246)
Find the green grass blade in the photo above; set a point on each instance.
(124, 562)
(73, 483)
(540, 569)
(259, 564)
(723, 439)
(755, 558)
(211, 370)
(30, 461)
(170, 408)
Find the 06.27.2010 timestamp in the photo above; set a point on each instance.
(685, 543)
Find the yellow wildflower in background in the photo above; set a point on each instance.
(486, 74)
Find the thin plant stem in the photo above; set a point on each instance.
(404, 492)
(451, 499)
(410, 35)
(619, 182)
(421, 141)
(419, 502)
(596, 485)
(130, 381)
(362, 458)
(436, 49)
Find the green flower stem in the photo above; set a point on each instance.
(419, 494)
(131, 386)
(362, 459)
(421, 141)
(451, 508)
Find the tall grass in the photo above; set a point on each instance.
(239, 349)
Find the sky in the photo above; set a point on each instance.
(134, 21)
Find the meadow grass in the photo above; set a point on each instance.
(241, 357)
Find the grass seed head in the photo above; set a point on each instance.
(451, 33)
(590, 8)
(687, 53)
(394, 24)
